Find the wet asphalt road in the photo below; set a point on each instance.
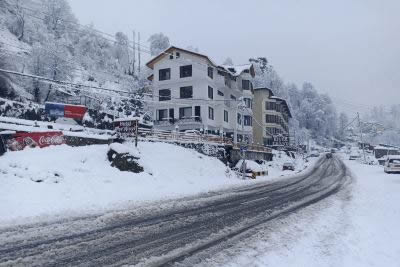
(176, 232)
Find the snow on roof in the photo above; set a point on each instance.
(385, 148)
(236, 70)
(168, 51)
(284, 102)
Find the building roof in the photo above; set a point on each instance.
(169, 51)
(264, 88)
(272, 96)
(236, 70)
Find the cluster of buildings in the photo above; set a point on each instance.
(191, 92)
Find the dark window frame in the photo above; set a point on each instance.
(210, 92)
(164, 77)
(162, 96)
(211, 113)
(246, 85)
(182, 112)
(185, 71)
(162, 118)
(220, 93)
(210, 72)
(226, 116)
(182, 94)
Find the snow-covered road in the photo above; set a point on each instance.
(359, 226)
(188, 231)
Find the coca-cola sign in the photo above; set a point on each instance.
(37, 139)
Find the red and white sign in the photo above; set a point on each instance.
(37, 139)
(74, 112)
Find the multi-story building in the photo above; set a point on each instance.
(272, 114)
(191, 92)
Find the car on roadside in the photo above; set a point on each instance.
(392, 164)
(192, 132)
(354, 156)
(288, 166)
(313, 154)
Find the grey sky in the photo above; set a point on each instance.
(349, 49)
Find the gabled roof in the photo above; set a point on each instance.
(169, 51)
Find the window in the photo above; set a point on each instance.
(270, 106)
(220, 93)
(228, 82)
(239, 119)
(226, 116)
(210, 72)
(186, 92)
(248, 102)
(271, 118)
(210, 92)
(178, 54)
(186, 71)
(210, 113)
(233, 97)
(164, 74)
(164, 95)
(162, 114)
(171, 56)
(185, 113)
(246, 85)
(247, 120)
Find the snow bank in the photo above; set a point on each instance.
(64, 179)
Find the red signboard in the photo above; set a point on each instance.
(74, 112)
(37, 139)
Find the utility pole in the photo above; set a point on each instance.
(139, 53)
(134, 53)
(361, 136)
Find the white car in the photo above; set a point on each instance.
(392, 164)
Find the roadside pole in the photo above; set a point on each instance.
(136, 132)
(361, 136)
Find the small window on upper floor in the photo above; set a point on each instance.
(210, 72)
(220, 93)
(185, 71)
(177, 54)
(164, 74)
(246, 85)
(210, 92)
(171, 56)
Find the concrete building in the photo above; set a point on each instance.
(273, 114)
(191, 92)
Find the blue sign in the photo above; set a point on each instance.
(54, 110)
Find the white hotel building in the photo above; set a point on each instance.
(191, 92)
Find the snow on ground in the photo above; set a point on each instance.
(357, 227)
(65, 181)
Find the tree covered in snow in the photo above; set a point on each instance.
(158, 43)
(314, 114)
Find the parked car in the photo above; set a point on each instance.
(253, 169)
(288, 166)
(328, 155)
(354, 156)
(392, 164)
(314, 154)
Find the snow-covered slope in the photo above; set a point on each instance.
(81, 179)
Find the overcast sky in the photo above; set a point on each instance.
(347, 48)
